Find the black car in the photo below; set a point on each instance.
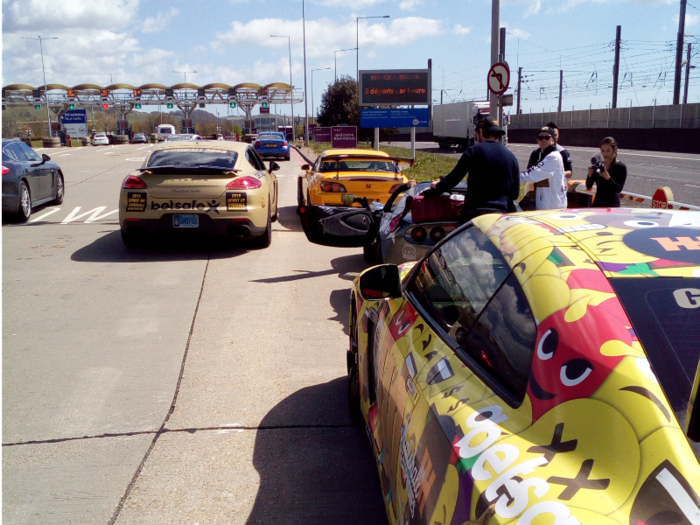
(139, 138)
(28, 180)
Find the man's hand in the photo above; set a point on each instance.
(411, 183)
(433, 184)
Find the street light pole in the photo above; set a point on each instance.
(306, 99)
(335, 53)
(46, 91)
(357, 42)
(184, 73)
(312, 89)
(291, 86)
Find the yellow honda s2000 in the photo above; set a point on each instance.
(542, 366)
(202, 187)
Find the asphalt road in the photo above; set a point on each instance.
(202, 383)
(646, 170)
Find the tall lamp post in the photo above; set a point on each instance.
(306, 90)
(335, 59)
(357, 42)
(46, 91)
(312, 88)
(291, 88)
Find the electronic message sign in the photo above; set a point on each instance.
(395, 87)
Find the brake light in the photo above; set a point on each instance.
(258, 143)
(334, 187)
(244, 183)
(394, 188)
(418, 234)
(5, 170)
(133, 183)
(437, 234)
(285, 144)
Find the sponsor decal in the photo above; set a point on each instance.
(408, 253)
(189, 205)
(135, 201)
(440, 372)
(673, 244)
(236, 201)
(687, 297)
(413, 472)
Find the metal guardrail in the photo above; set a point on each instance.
(644, 200)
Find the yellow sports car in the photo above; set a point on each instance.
(536, 368)
(365, 173)
(211, 187)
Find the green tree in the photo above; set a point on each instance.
(340, 104)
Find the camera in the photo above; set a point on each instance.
(598, 164)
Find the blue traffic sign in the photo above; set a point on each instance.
(75, 116)
(395, 118)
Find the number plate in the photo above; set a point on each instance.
(185, 221)
(271, 145)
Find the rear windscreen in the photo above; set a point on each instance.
(359, 165)
(665, 314)
(192, 157)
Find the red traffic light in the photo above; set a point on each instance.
(105, 106)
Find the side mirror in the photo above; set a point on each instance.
(692, 420)
(274, 167)
(381, 282)
(305, 167)
(45, 157)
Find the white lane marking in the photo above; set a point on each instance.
(64, 155)
(680, 496)
(137, 159)
(149, 146)
(41, 217)
(94, 215)
(692, 185)
(109, 152)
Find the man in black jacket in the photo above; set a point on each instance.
(494, 174)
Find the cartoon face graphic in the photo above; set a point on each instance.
(569, 362)
(404, 319)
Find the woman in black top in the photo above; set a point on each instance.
(610, 181)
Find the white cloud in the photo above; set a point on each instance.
(519, 33)
(355, 4)
(159, 22)
(461, 30)
(323, 36)
(53, 15)
(409, 5)
(691, 20)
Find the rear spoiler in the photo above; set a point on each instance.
(398, 160)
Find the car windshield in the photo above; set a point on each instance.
(270, 135)
(385, 166)
(192, 157)
(665, 314)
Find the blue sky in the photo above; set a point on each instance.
(140, 41)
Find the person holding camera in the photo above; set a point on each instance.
(608, 174)
(548, 174)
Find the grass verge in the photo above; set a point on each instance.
(428, 166)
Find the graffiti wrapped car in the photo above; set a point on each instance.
(542, 366)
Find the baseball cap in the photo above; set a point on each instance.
(489, 127)
(547, 129)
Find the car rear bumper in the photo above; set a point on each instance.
(273, 152)
(232, 227)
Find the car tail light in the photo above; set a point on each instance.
(5, 170)
(134, 183)
(437, 234)
(334, 187)
(394, 223)
(285, 144)
(258, 144)
(244, 183)
(394, 188)
(418, 234)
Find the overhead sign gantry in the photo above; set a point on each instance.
(125, 97)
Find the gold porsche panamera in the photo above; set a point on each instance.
(201, 187)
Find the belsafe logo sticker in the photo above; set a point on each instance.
(672, 244)
(189, 205)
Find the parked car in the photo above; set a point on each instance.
(100, 139)
(542, 366)
(139, 138)
(272, 144)
(28, 180)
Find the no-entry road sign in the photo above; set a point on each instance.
(499, 78)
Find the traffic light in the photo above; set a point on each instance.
(232, 104)
(170, 105)
(264, 104)
(105, 106)
(138, 106)
(72, 106)
(37, 106)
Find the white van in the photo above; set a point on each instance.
(163, 130)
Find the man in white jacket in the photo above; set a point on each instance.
(548, 174)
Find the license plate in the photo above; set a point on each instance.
(271, 145)
(185, 221)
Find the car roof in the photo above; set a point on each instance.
(355, 152)
(621, 242)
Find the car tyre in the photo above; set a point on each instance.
(354, 404)
(130, 239)
(287, 158)
(277, 207)
(300, 193)
(60, 189)
(25, 203)
(369, 253)
(265, 240)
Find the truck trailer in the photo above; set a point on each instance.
(454, 124)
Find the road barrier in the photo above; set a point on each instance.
(662, 198)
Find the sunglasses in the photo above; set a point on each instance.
(544, 137)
